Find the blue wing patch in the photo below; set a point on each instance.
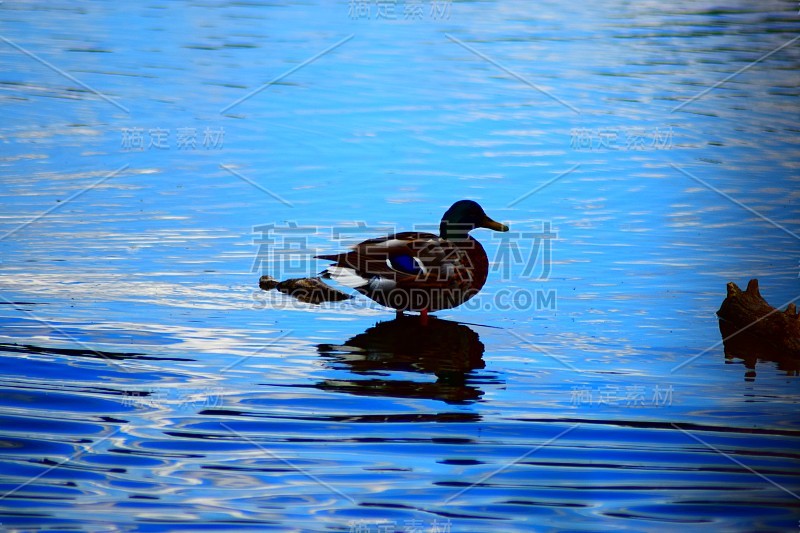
(406, 264)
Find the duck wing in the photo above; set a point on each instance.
(407, 259)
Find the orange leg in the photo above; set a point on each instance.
(423, 317)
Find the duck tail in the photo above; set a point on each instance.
(331, 257)
(326, 274)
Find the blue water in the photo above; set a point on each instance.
(157, 158)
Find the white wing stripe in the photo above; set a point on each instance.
(347, 276)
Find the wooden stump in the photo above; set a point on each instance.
(752, 329)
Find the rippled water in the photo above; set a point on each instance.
(154, 157)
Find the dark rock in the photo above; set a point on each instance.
(267, 283)
(307, 290)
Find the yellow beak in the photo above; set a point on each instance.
(491, 224)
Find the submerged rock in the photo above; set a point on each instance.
(267, 283)
(307, 290)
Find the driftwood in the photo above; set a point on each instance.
(752, 329)
(307, 290)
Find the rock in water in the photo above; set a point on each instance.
(752, 328)
(267, 283)
(307, 290)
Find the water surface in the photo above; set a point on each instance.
(157, 158)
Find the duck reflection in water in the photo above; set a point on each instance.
(448, 350)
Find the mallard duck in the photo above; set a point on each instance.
(414, 271)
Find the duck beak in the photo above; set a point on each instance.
(491, 224)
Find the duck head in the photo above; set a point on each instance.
(463, 217)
